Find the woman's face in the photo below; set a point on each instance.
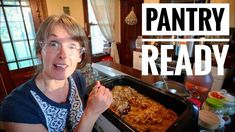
(58, 56)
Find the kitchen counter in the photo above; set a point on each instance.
(150, 79)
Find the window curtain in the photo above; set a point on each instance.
(104, 11)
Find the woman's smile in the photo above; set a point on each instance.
(60, 67)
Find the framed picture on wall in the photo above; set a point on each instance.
(66, 10)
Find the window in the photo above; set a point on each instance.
(17, 34)
(97, 39)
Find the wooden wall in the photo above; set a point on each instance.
(129, 33)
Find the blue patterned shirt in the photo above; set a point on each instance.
(27, 104)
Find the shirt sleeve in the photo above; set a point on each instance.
(18, 107)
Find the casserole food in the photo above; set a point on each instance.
(139, 111)
(186, 111)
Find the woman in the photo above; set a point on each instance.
(53, 99)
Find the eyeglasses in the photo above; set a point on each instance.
(54, 47)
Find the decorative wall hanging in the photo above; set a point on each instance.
(131, 18)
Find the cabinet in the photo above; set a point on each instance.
(137, 60)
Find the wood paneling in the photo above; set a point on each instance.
(3, 90)
(6, 83)
(39, 11)
(129, 33)
(22, 75)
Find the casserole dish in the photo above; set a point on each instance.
(187, 112)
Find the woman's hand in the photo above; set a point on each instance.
(99, 100)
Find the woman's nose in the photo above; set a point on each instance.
(63, 53)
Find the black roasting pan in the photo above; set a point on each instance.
(188, 113)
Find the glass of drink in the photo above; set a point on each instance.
(199, 86)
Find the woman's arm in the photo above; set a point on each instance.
(22, 127)
(98, 101)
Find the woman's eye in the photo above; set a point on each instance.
(72, 46)
(54, 44)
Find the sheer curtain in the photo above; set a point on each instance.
(104, 11)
